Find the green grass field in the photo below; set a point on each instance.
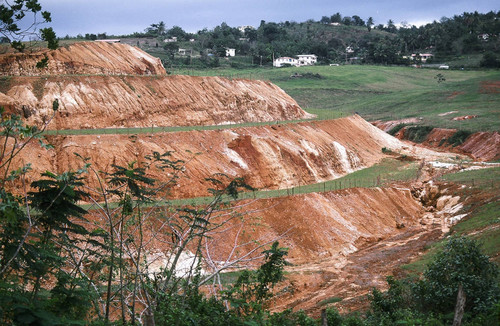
(381, 92)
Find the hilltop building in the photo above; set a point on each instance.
(302, 60)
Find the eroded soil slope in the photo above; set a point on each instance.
(268, 157)
(331, 224)
(83, 58)
(481, 146)
(140, 101)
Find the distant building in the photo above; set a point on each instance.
(230, 52)
(184, 51)
(171, 40)
(423, 56)
(307, 59)
(283, 61)
(243, 28)
(303, 60)
(484, 37)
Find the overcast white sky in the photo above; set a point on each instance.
(124, 16)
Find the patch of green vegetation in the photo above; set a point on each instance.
(230, 277)
(5, 83)
(329, 300)
(484, 179)
(417, 134)
(386, 172)
(38, 87)
(484, 216)
(128, 84)
(148, 130)
(151, 88)
(418, 266)
(490, 243)
(478, 224)
(394, 130)
(459, 137)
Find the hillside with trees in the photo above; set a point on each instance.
(334, 39)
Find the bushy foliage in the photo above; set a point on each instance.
(460, 262)
(417, 134)
(394, 130)
(432, 300)
(490, 60)
(459, 137)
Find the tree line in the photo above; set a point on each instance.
(338, 38)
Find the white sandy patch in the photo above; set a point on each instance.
(309, 147)
(343, 156)
(233, 156)
(447, 113)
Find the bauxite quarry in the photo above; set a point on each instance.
(346, 229)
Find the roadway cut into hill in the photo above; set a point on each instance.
(268, 157)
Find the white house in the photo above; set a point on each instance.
(423, 56)
(307, 59)
(279, 62)
(171, 40)
(230, 52)
(303, 60)
(243, 28)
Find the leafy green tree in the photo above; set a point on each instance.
(40, 238)
(432, 299)
(325, 20)
(369, 23)
(358, 21)
(459, 263)
(250, 293)
(11, 15)
(391, 28)
(178, 32)
(490, 60)
(336, 18)
(156, 30)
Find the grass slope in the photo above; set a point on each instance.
(386, 93)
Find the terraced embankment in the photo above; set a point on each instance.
(83, 78)
(329, 224)
(141, 101)
(268, 157)
(83, 58)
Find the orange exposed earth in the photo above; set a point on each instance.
(341, 243)
(481, 146)
(268, 157)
